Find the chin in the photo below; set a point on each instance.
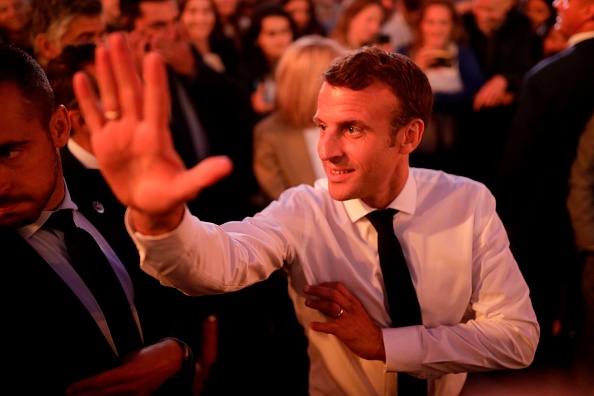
(339, 194)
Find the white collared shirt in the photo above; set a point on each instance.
(474, 301)
(579, 37)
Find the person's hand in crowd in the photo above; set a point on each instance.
(350, 321)
(142, 373)
(132, 141)
(493, 93)
(261, 100)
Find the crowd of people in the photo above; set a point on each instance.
(279, 281)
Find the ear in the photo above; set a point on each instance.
(76, 120)
(47, 48)
(60, 126)
(412, 135)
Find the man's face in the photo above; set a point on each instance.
(490, 14)
(80, 30)
(158, 20)
(30, 170)
(83, 30)
(572, 15)
(360, 157)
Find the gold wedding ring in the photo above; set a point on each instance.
(112, 115)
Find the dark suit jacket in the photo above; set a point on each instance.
(222, 106)
(555, 103)
(52, 339)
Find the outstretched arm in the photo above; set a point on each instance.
(135, 150)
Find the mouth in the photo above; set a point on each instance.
(340, 172)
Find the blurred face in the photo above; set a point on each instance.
(159, 20)
(30, 170)
(84, 30)
(360, 157)
(365, 25)
(436, 26)
(111, 10)
(490, 14)
(538, 12)
(13, 14)
(198, 19)
(572, 15)
(299, 11)
(275, 36)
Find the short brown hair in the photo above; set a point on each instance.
(361, 68)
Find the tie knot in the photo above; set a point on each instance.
(62, 220)
(382, 218)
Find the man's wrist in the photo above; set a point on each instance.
(187, 358)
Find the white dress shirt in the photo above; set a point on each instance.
(475, 304)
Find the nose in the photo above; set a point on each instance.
(329, 146)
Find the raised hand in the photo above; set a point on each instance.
(132, 141)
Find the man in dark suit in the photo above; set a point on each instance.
(56, 330)
(555, 103)
(210, 112)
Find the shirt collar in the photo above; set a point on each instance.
(579, 37)
(32, 228)
(83, 156)
(405, 202)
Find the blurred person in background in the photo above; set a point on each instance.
(304, 16)
(554, 107)
(230, 22)
(210, 111)
(358, 23)
(58, 23)
(270, 33)
(198, 20)
(542, 16)
(285, 142)
(15, 23)
(580, 205)
(440, 50)
(399, 26)
(501, 38)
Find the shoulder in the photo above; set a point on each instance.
(442, 185)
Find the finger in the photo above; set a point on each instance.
(88, 101)
(205, 174)
(129, 86)
(328, 308)
(157, 91)
(108, 90)
(327, 290)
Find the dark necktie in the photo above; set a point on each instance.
(92, 266)
(402, 298)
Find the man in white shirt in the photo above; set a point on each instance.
(372, 109)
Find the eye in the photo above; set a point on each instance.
(8, 153)
(351, 130)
